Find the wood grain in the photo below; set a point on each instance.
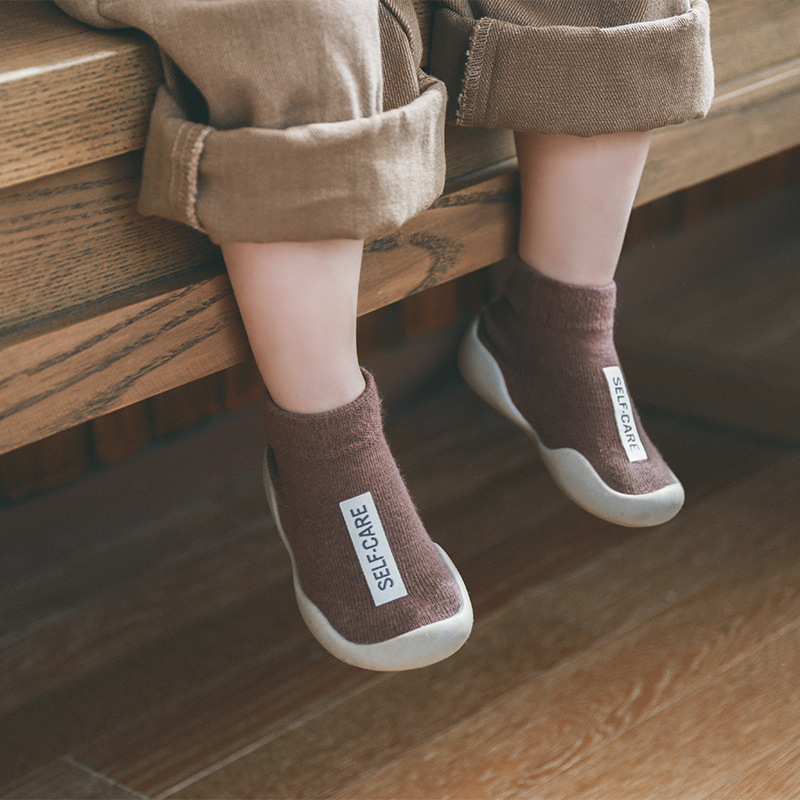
(741, 714)
(110, 361)
(62, 377)
(750, 119)
(169, 657)
(776, 775)
(76, 253)
(65, 779)
(749, 37)
(76, 238)
(73, 95)
(460, 504)
(78, 97)
(546, 729)
(90, 243)
(114, 91)
(26, 25)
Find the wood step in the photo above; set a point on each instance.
(76, 238)
(73, 95)
(100, 307)
(62, 374)
(69, 94)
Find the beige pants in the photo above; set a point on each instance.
(292, 120)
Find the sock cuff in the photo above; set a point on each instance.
(328, 434)
(559, 305)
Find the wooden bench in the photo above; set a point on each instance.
(100, 308)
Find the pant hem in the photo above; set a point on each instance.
(583, 81)
(350, 179)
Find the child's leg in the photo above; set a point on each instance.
(550, 335)
(577, 195)
(298, 302)
(371, 585)
(544, 352)
(286, 135)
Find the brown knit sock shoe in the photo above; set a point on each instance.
(543, 354)
(372, 587)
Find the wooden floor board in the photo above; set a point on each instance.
(683, 556)
(146, 754)
(73, 642)
(170, 660)
(547, 726)
(394, 715)
(66, 780)
(774, 777)
(521, 508)
(748, 709)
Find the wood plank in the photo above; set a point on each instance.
(65, 779)
(167, 745)
(90, 243)
(73, 95)
(115, 111)
(776, 776)
(180, 645)
(544, 729)
(110, 602)
(750, 119)
(76, 238)
(343, 739)
(26, 25)
(129, 353)
(714, 730)
(749, 37)
(73, 99)
(423, 236)
(773, 93)
(97, 366)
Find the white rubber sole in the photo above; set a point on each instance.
(418, 648)
(573, 473)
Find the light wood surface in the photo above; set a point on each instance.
(156, 648)
(137, 348)
(83, 273)
(74, 95)
(70, 95)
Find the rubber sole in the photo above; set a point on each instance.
(418, 648)
(573, 473)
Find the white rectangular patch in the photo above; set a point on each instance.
(372, 548)
(623, 413)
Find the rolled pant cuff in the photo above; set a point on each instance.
(333, 180)
(583, 81)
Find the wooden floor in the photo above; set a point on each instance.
(152, 647)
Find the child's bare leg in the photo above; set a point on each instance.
(371, 585)
(298, 302)
(577, 195)
(544, 352)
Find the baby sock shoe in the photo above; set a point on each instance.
(371, 585)
(543, 354)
